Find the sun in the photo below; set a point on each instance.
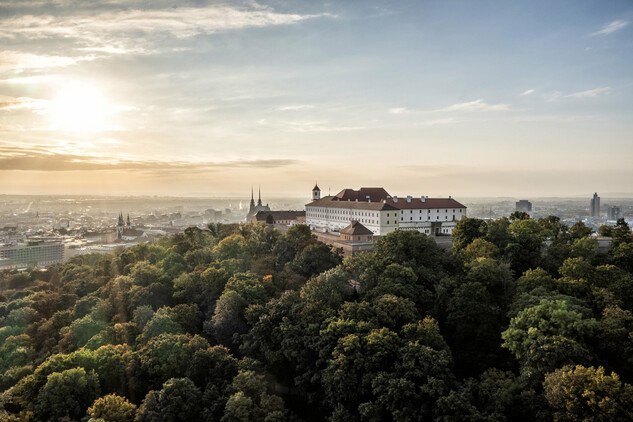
(79, 107)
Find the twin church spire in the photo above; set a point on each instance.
(255, 207)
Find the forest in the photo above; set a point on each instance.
(521, 320)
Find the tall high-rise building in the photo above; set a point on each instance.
(595, 205)
(613, 213)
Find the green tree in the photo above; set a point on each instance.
(415, 250)
(466, 230)
(588, 394)
(622, 256)
(525, 249)
(232, 247)
(315, 259)
(67, 393)
(585, 247)
(519, 215)
(112, 408)
(143, 273)
(579, 231)
(480, 248)
(474, 324)
(533, 279)
(251, 401)
(180, 400)
(548, 318)
(605, 230)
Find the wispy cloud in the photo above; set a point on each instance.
(435, 122)
(528, 92)
(610, 28)
(476, 106)
(306, 126)
(295, 107)
(23, 103)
(46, 158)
(124, 31)
(398, 110)
(590, 93)
(16, 60)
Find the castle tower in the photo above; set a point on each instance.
(316, 192)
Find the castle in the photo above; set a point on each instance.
(382, 213)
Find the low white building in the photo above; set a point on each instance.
(40, 254)
(381, 213)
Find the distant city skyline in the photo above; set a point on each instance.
(470, 99)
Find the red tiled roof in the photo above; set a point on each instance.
(335, 202)
(279, 215)
(356, 228)
(363, 194)
(429, 203)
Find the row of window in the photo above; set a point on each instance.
(429, 211)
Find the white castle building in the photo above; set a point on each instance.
(382, 213)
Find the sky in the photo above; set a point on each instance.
(204, 98)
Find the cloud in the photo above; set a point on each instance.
(477, 105)
(35, 79)
(590, 93)
(124, 31)
(11, 60)
(610, 28)
(528, 92)
(46, 158)
(436, 122)
(398, 110)
(308, 126)
(557, 95)
(295, 107)
(23, 103)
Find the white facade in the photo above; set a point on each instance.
(380, 222)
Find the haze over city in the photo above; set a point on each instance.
(209, 98)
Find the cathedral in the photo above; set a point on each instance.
(253, 209)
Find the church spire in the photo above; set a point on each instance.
(120, 223)
(259, 197)
(251, 207)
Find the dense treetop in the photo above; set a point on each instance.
(521, 320)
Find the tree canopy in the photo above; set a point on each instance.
(520, 320)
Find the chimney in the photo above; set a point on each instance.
(395, 199)
(409, 198)
(449, 197)
(423, 198)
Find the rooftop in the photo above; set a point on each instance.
(356, 228)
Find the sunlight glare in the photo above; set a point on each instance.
(79, 107)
